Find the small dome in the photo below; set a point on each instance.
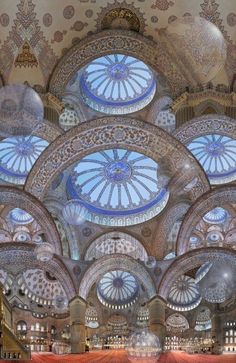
(68, 118)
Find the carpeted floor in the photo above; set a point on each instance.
(120, 356)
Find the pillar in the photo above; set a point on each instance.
(157, 326)
(217, 333)
(77, 324)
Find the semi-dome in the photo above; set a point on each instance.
(17, 156)
(117, 84)
(20, 216)
(117, 187)
(118, 289)
(184, 294)
(41, 287)
(216, 216)
(177, 322)
(216, 153)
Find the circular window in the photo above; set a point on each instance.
(117, 187)
(117, 84)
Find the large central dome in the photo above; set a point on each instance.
(117, 84)
(118, 187)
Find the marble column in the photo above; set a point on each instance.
(77, 324)
(157, 326)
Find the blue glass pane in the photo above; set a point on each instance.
(117, 84)
(217, 155)
(18, 155)
(117, 183)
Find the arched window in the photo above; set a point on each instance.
(21, 326)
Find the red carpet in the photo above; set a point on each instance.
(120, 356)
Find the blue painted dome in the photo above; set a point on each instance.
(17, 156)
(117, 289)
(117, 84)
(216, 216)
(217, 155)
(20, 216)
(117, 187)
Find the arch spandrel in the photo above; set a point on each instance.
(208, 201)
(106, 132)
(14, 197)
(113, 262)
(117, 41)
(190, 261)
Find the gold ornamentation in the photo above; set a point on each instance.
(194, 99)
(26, 58)
(119, 15)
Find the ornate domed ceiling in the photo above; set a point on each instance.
(118, 289)
(17, 156)
(184, 294)
(117, 184)
(116, 242)
(117, 84)
(217, 155)
(40, 286)
(52, 30)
